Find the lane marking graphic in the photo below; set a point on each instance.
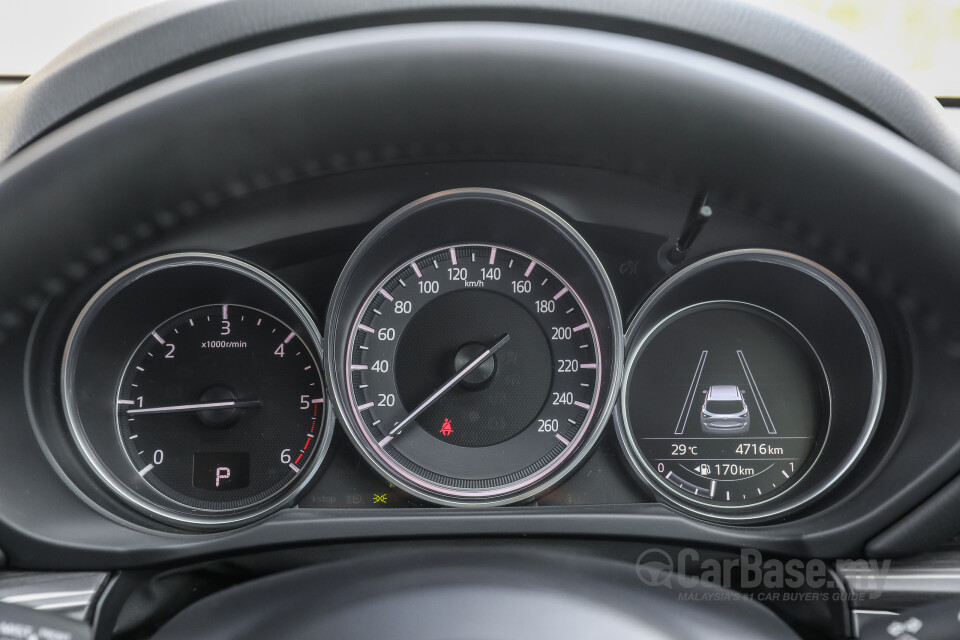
(764, 414)
(688, 403)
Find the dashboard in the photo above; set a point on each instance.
(467, 370)
(505, 286)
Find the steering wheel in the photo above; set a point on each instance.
(476, 592)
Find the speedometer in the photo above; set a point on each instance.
(472, 368)
(474, 372)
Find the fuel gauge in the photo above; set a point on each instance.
(727, 402)
(754, 380)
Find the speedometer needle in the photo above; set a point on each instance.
(203, 406)
(446, 386)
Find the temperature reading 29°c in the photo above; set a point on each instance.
(725, 403)
(473, 370)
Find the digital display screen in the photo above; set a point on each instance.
(726, 403)
(221, 471)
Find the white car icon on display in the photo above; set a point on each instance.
(724, 410)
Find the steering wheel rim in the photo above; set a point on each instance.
(169, 38)
(476, 592)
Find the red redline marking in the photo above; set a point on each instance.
(297, 461)
(306, 445)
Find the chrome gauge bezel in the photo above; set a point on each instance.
(354, 290)
(663, 305)
(116, 477)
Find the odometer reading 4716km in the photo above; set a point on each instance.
(473, 371)
(725, 403)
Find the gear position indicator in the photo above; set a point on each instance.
(726, 402)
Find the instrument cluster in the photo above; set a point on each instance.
(473, 353)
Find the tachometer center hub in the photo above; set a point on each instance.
(219, 418)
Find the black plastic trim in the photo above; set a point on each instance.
(934, 522)
(69, 221)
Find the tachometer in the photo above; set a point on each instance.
(474, 372)
(193, 389)
(221, 406)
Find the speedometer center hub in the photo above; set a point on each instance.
(497, 399)
(479, 377)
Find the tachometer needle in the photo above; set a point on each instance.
(202, 406)
(444, 388)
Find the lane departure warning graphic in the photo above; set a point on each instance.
(724, 408)
(725, 403)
